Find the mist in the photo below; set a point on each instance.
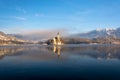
(40, 35)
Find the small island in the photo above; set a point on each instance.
(56, 40)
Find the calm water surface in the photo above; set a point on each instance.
(90, 62)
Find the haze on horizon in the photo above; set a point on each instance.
(74, 16)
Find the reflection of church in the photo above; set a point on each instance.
(57, 40)
(57, 50)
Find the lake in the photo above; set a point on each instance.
(82, 61)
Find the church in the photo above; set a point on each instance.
(57, 40)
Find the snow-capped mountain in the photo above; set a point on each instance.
(101, 33)
(6, 39)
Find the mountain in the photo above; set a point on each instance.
(100, 33)
(7, 39)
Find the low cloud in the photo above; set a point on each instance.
(19, 18)
(38, 35)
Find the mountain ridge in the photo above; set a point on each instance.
(7, 39)
(100, 33)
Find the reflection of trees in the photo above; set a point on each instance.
(94, 51)
(5, 51)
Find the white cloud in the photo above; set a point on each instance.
(84, 12)
(13, 30)
(19, 18)
(69, 17)
(39, 15)
(21, 10)
(48, 16)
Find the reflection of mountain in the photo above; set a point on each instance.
(9, 51)
(39, 52)
(95, 51)
(26, 52)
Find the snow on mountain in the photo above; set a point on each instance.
(101, 33)
(6, 38)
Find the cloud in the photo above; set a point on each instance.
(39, 15)
(13, 29)
(83, 12)
(38, 35)
(68, 17)
(19, 18)
(49, 16)
(21, 10)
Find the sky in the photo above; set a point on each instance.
(18, 16)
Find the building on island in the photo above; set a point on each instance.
(56, 40)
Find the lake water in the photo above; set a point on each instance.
(89, 62)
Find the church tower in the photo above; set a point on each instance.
(57, 40)
(58, 37)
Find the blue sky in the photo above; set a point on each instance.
(76, 15)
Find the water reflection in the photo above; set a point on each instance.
(94, 51)
(45, 52)
(57, 49)
(26, 62)
(9, 51)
